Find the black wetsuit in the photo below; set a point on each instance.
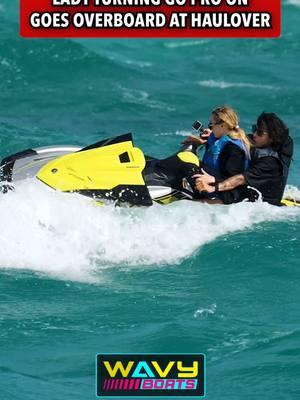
(267, 173)
(232, 162)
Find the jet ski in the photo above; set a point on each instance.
(112, 170)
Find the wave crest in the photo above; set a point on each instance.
(227, 85)
(68, 237)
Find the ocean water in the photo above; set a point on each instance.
(76, 279)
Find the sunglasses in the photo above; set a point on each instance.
(212, 124)
(259, 132)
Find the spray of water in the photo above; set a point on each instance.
(69, 237)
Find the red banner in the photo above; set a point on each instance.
(150, 18)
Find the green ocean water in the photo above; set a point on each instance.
(76, 279)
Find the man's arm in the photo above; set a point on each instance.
(207, 183)
(230, 183)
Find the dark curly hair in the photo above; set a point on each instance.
(275, 127)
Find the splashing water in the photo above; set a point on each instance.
(68, 236)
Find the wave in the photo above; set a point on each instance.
(204, 312)
(185, 43)
(293, 3)
(292, 192)
(177, 133)
(142, 97)
(35, 64)
(235, 344)
(134, 63)
(227, 85)
(140, 64)
(68, 237)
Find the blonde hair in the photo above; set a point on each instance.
(230, 118)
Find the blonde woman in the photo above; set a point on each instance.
(227, 145)
(227, 153)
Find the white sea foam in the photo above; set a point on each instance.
(185, 43)
(204, 312)
(177, 133)
(293, 3)
(292, 192)
(234, 344)
(142, 97)
(227, 85)
(141, 64)
(136, 63)
(68, 237)
(9, 65)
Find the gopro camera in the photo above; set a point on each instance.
(198, 126)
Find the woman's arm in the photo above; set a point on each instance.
(198, 140)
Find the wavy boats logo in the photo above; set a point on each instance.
(144, 375)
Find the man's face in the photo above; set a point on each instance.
(261, 137)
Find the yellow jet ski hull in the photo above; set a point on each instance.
(110, 170)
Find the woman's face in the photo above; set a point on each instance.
(218, 127)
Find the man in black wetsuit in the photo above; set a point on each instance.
(268, 170)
